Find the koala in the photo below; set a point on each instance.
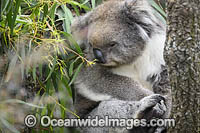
(126, 37)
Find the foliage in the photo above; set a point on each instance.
(35, 48)
(34, 34)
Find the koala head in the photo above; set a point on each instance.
(117, 32)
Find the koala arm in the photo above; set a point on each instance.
(92, 81)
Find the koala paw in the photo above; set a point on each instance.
(152, 106)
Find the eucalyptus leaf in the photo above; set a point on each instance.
(76, 74)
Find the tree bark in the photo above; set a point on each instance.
(182, 55)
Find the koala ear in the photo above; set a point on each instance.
(80, 27)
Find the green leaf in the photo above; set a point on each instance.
(52, 69)
(79, 5)
(4, 4)
(48, 85)
(76, 73)
(74, 3)
(65, 83)
(15, 15)
(65, 73)
(40, 69)
(86, 1)
(68, 18)
(76, 10)
(23, 21)
(71, 67)
(21, 102)
(44, 110)
(55, 82)
(158, 8)
(53, 10)
(9, 18)
(74, 44)
(93, 4)
(45, 9)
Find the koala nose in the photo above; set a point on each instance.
(99, 55)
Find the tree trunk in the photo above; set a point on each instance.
(182, 55)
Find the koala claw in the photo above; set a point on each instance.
(152, 106)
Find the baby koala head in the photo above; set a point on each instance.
(117, 32)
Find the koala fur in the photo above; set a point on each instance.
(127, 38)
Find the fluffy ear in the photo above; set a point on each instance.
(79, 28)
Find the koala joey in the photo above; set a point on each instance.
(127, 39)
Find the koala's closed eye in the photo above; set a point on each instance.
(112, 44)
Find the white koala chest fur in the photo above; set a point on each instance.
(83, 89)
(148, 64)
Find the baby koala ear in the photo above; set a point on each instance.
(79, 28)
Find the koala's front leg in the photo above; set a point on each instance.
(152, 106)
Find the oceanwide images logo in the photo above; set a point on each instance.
(46, 121)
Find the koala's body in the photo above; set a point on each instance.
(127, 38)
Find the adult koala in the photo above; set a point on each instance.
(127, 39)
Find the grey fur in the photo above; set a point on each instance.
(122, 31)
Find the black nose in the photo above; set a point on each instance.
(98, 55)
